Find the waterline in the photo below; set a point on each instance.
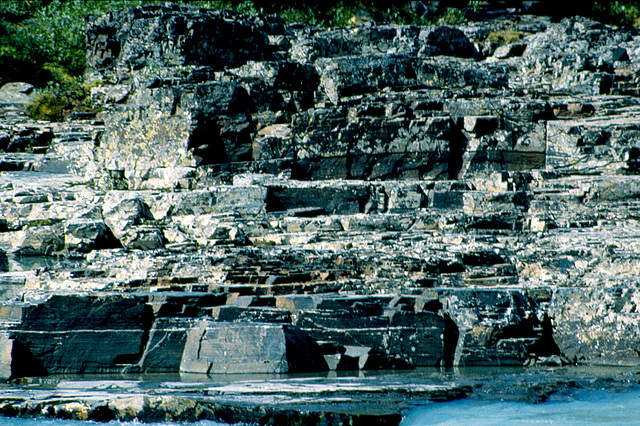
(6, 421)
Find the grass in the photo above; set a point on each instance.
(505, 36)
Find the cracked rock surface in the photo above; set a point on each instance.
(271, 198)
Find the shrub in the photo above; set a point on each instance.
(618, 13)
(505, 36)
(43, 43)
(58, 100)
(50, 38)
(305, 14)
(452, 16)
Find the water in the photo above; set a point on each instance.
(575, 395)
(583, 407)
(50, 422)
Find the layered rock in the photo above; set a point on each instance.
(262, 197)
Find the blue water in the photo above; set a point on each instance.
(582, 408)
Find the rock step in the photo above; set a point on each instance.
(356, 224)
(23, 135)
(281, 400)
(302, 269)
(379, 328)
(14, 162)
(71, 149)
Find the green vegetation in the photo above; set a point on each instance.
(36, 223)
(43, 41)
(59, 99)
(507, 36)
(625, 13)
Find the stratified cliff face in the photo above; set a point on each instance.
(262, 197)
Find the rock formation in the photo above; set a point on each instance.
(271, 198)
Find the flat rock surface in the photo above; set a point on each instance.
(381, 397)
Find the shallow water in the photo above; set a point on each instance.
(580, 408)
(583, 407)
(574, 395)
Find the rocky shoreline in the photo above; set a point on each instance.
(256, 197)
(372, 398)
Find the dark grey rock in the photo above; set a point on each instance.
(450, 41)
(4, 262)
(612, 331)
(179, 36)
(76, 334)
(223, 348)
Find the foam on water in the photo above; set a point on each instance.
(585, 407)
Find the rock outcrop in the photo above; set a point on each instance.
(271, 198)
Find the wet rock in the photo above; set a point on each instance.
(279, 401)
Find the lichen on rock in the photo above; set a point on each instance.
(256, 197)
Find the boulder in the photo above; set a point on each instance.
(17, 94)
(596, 326)
(224, 348)
(449, 41)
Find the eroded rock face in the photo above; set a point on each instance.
(259, 197)
(608, 318)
